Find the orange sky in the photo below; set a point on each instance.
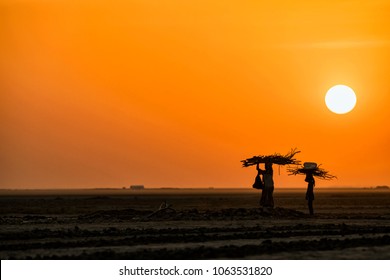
(176, 93)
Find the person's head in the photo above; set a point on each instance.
(268, 166)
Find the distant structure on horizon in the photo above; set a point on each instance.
(137, 187)
(382, 187)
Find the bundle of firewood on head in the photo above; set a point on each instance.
(311, 168)
(274, 158)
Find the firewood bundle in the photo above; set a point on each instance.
(317, 172)
(276, 158)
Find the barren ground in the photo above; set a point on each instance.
(200, 224)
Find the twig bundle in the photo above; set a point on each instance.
(318, 172)
(274, 158)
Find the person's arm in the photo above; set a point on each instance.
(260, 171)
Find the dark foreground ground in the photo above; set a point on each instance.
(199, 224)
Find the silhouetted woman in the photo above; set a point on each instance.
(267, 199)
(310, 191)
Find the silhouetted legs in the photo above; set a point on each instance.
(310, 204)
(310, 197)
(267, 199)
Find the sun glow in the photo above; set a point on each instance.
(340, 99)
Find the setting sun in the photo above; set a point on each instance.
(340, 99)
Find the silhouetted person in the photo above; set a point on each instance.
(310, 191)
(267, 199)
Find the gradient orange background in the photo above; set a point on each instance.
(176, 93)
